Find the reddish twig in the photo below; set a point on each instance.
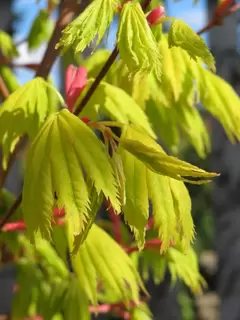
(11, 211)
(69, 9)
(20, 225)
(220, 13)
(150, 224)
(3, 89)
(153, 243)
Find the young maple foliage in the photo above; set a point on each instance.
(149, 88)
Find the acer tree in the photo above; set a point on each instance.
(69, 263)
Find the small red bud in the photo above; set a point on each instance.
(155, 15)
(85, 119)
(58, 212)
(76, 80)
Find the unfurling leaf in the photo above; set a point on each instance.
(136, 43)
(93, 22)
(7, 46)
(64, 146)
(101, 258)
(150, 153)
(41, 30)
(24, 111)
(181, 35)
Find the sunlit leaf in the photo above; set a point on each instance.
(101, 258)
(181, 35)
(136, 43)
(92, 22)
(64, 146)
(118, 105)
(150, 153)
(24, 111)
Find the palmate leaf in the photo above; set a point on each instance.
(64, 146)
(93, 22)
(150, 153)
(181, 35)
(118, 105)
(100, 258)
(41, 29)
(136, 43)
(7, 46)
(24, 111)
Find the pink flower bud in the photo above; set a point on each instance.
(76, 79)
(155, 15)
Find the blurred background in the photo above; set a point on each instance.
(216, 207)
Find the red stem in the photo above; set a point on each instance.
(3, 89)
(20, 225)
(148, 244)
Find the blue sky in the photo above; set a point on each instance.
(194, 15)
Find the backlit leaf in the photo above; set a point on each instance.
(118, 105)
(150, 153)
(24, 111)
(92, 22)
(64, 146)
(181, 35)
(222, 102)
(136, 43)
(100, 257)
